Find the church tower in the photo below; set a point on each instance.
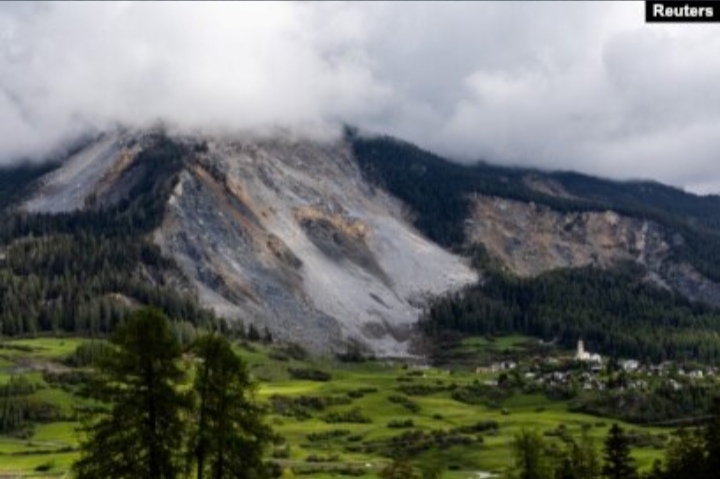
(581, 354)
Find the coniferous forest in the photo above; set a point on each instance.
(617, 311)
(87, 272)
(438, 194)
(79, 272)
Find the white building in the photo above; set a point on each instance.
(630, 365)
(586, 356)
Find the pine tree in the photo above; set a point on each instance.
(656, 472)
(579, 460)
(712, 439)
(685, 455)
(141, 436)
(253, 334)
(267, 336)
(532, 460)
(618, 462)
(230, 436)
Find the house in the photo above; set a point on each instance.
(630, 365)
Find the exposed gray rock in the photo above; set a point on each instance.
(287, 234)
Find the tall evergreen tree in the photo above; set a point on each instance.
(532, 459)
(656, 471)
(141, 436)
(618, 461)
(230, 436)
(685, 455)
(579, 460)
(712, 438)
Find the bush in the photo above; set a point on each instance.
(406, 402)
(347, 470)
(45, 466)
(317, 458)
(480, 426)
(413, 442)
(421, 389)
(87, 354)
(303, 407)
(68, 380)
(400, 424)
(288, 351)
(480, 394)
(352, 416)
(360, 392)
(354, 354)
(309, 374)
(281, 452)
(327, 435)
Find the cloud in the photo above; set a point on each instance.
(561, 85)
(228, 66)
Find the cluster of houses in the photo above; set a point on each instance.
(555, 372)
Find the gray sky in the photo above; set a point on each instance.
(569, 85)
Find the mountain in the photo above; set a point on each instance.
(533, 222)
(281, 234)
(328, 244)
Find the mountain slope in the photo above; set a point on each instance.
(323, 243)
(280, 234)
(534, 222)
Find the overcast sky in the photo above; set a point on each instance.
(566, 85)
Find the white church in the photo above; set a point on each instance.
(586, 356)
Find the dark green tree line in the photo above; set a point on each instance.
(438, 192)
(575, 458)
(616, 312)
(78, 271)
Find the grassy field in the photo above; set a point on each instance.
(370, 389)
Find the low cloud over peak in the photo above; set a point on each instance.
(570, 85)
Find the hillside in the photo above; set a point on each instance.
(453, 203)
(631, 267)
(348, 422)
(332, 244)
(281, 234)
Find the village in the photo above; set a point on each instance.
(589, 371)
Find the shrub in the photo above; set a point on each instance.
(281, 452)
(309, 374)
(360, 392)
(318, 458)
(327, 435)
(288, 351)
(413, 442)
(302, 407)
(352, 416)
(400, 424)
(87, 354)
(406, 402)
(480, 426)
(45, 466)
(421, 389)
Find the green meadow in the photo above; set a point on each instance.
(346, 424)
